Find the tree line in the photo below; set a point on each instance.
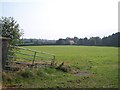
(36, 42)
(111, 40)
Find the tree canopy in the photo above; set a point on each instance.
(9, 28)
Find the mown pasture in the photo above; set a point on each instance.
(98, 64)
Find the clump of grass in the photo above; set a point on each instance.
(26, 73)
(11, 79)
(32, 73)
(40, 72)
(7, 77)
(20, 77)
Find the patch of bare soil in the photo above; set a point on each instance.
(81, 73)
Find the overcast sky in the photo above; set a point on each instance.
(54, 19)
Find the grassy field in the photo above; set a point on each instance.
(98, 66)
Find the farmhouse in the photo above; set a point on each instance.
(71, 42)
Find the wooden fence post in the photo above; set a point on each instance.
(0, 64)
(54, 58)
(5, 42)
(34, 59)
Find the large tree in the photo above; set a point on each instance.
(10, 29)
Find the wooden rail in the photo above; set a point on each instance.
(26, 55)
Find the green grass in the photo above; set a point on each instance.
(100, 62)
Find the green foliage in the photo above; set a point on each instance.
(10, 29)
(111, 40)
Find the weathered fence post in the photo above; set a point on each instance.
(54, 58)
(34, 58)
(5, 42)
(0, 64)
(53, 61)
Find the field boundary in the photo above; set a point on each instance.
(33, 58)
